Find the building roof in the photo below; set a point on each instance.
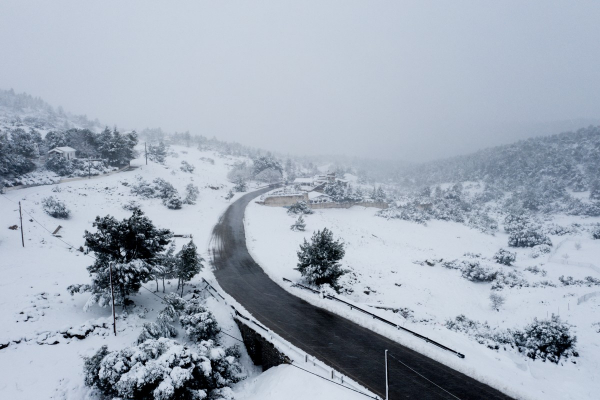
(64, 149)
(303, 180)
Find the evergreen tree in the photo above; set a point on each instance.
(158, 153)
(191, 194)
(189, 263)
(299, 225)
(318, 261)
(131, 247)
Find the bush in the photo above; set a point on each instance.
(299, 208)
(163, 369)
(540, 250)
(529, 237)
(474, 272)
(596, 233)
(505, 257)
(173, 203)
(547, 340)
(199, 323)
(55, 208)
(59, 165)
(187, 167)
(131, 205)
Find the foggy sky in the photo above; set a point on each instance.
(395, 79)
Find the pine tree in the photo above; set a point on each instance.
(318, 261)
(299, 225)
(189, 263)
(131, 247)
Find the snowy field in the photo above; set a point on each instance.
(37, 309)
(386, 259)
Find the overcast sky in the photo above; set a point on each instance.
(395, 79)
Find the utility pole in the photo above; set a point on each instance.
(387, 387)
(21, 219)
(89, 169)
(112, 291)
(146, 152)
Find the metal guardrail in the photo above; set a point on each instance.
(377, 317)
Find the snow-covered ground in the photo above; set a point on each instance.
(381, 255)
(37, 307)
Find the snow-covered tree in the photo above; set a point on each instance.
(55, 208)
(265, 163)
(173, 202)
(189, 263)
(158, 153)
(191, 194)
(130, 247)
(318, 261)
(299, 225)
(497, 301)
(240, 185)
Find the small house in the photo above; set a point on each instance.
(68, 153)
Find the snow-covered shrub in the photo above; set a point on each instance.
(483, 222)
(547, 340)
(596, 233)
(191, 194)
(199, 323)
(540, 250)
(173, 203)
(497, 301)
(587, 281)
(55, 208)
(229, 195)
(299, 225)
(299, 207)
(143, 188)
(164, 190)
(559, 230)
(163, 369)
(187, 167)
(516, 222)
(153, 330)
(481, 332)
(511, 279)
(536, 270)
(131, 205)
(475, 272)
(528, 237)
(505, 257)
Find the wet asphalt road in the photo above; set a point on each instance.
(349, 348)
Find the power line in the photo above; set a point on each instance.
(424, 377)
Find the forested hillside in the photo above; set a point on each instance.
(567, 160)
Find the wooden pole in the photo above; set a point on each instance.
(112, 291)
(146, 152)
(21, 219)
(387, 387)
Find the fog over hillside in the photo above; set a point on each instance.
(411, 80)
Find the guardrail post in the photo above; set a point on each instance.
(387, 387)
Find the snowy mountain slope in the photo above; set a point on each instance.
(382, 254)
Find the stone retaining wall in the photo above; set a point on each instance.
(261, 351)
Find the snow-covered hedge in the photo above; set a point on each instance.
(159, 189)
(299, 208)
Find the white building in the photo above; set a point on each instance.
(66, 152)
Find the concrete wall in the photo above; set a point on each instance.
(283, 201)
(260, 350)
(317, 206)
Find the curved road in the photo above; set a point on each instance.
(351, 349)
